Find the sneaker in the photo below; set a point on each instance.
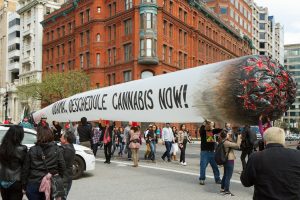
(184, 164)
(181, 163)
(218, 181)
(163, 158)
(202, 182)
(105, 161)
(222, 192)
(228, 193)
(169, 160)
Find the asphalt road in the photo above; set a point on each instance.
(160, 180)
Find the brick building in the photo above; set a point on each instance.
(116, 41)
(237, 13)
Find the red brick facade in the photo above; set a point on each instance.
(104, 39)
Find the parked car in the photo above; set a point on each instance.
(84, 158)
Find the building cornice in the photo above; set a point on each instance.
(61, 12)
(30, 5)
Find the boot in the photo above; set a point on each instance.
(175, 159)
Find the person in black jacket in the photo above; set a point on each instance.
(12, 157)
(34, 168)
(56, 129)
(69, 155)
(107, 140)
(208, 143)
(274, 172)
(85, 133)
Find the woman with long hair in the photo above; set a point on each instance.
(174, 148)
(135, 144)
(183, 138)
(43, 158)
(12, 158)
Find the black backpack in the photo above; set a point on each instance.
(221, 156)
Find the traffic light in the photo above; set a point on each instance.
(5, 99)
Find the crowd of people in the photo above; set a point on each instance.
(24, 170)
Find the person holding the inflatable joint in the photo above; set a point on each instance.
(262, 128)
(208, 143)
(274, 172)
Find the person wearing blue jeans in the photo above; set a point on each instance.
(208, 157)
(207, 133)
(167, 152)
(168, 138)
(226, 138)
(228, 171)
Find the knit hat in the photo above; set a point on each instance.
(274, 135)
(134, 124)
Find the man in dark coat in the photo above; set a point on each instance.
(274, 172)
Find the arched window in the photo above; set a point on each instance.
(98, 37)
(146, 74)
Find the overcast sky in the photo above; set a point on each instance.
(287, 13)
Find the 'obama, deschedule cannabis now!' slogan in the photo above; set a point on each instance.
(237, 91)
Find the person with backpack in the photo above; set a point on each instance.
(247, 145)
(226, 140)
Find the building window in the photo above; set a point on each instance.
(98, 9)
(262, 16)
(110, 11)
(128, 4)
(164, 50)
(98, 59)
(262, 26)
(63, 30)
(57, 67)
(128, 26)
(48, 55)
(171, 7)
(52, 35)
(165, 28)
(185, 17)
(81, 18)
(88, 14)
(127, 52)
(87, 37)
(63, 67)
(52, 53)
(170, 55)
(149, 47)
(114, 34)
(180, 37)
(109, 33)
(98, 37)
(81, 61)
(180, 13)
(185, 38)
(97, 85)
(180, 59)
(142, 48)
(81, 39)
(70, 27)
(114, 55)
(113, 78)
(69, 65)
(70, 47)
(48, 37)
(223, 10)
(108, 79)
(262, 45)
(262, 36)
(185, 61)
(87, 59)
(58, 32)
(171, 31)
(127, 76)
(63, 49)
(150, 20)
(58, 53)
(109, 56)
(231, 13)
(146, 74)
